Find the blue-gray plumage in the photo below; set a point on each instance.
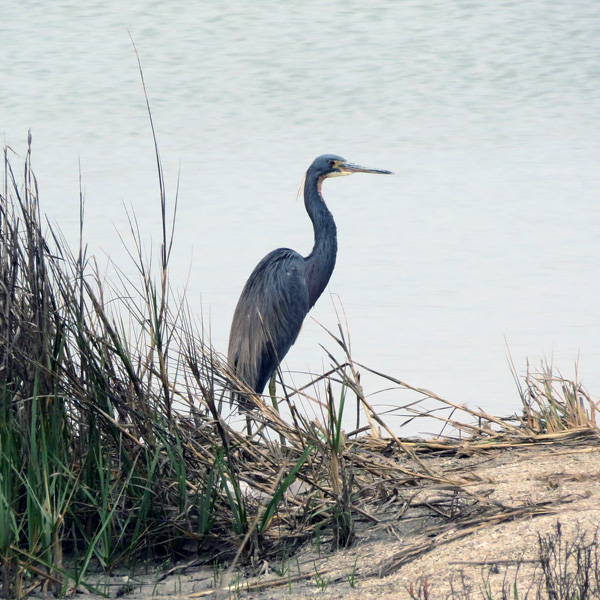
(284, 286)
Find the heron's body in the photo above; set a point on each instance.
(284, 286)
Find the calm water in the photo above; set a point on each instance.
(489, 231)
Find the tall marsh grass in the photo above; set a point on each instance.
(91, 462)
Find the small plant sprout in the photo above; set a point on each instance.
(351, 577)
(217, 573)
(320, 580)
(235, 588)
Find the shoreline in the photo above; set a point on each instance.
(532, 487)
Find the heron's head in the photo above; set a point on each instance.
(331, 165)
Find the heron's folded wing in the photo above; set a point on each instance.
(268, 316)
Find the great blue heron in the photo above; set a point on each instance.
(284, 286)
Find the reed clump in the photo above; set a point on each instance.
(115, 446)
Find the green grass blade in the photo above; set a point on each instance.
(285, 484)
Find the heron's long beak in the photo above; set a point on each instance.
(352, 168)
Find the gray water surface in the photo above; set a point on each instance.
(487, 236)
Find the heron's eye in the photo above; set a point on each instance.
(332, 163)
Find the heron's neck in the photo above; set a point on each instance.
(321, 261)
